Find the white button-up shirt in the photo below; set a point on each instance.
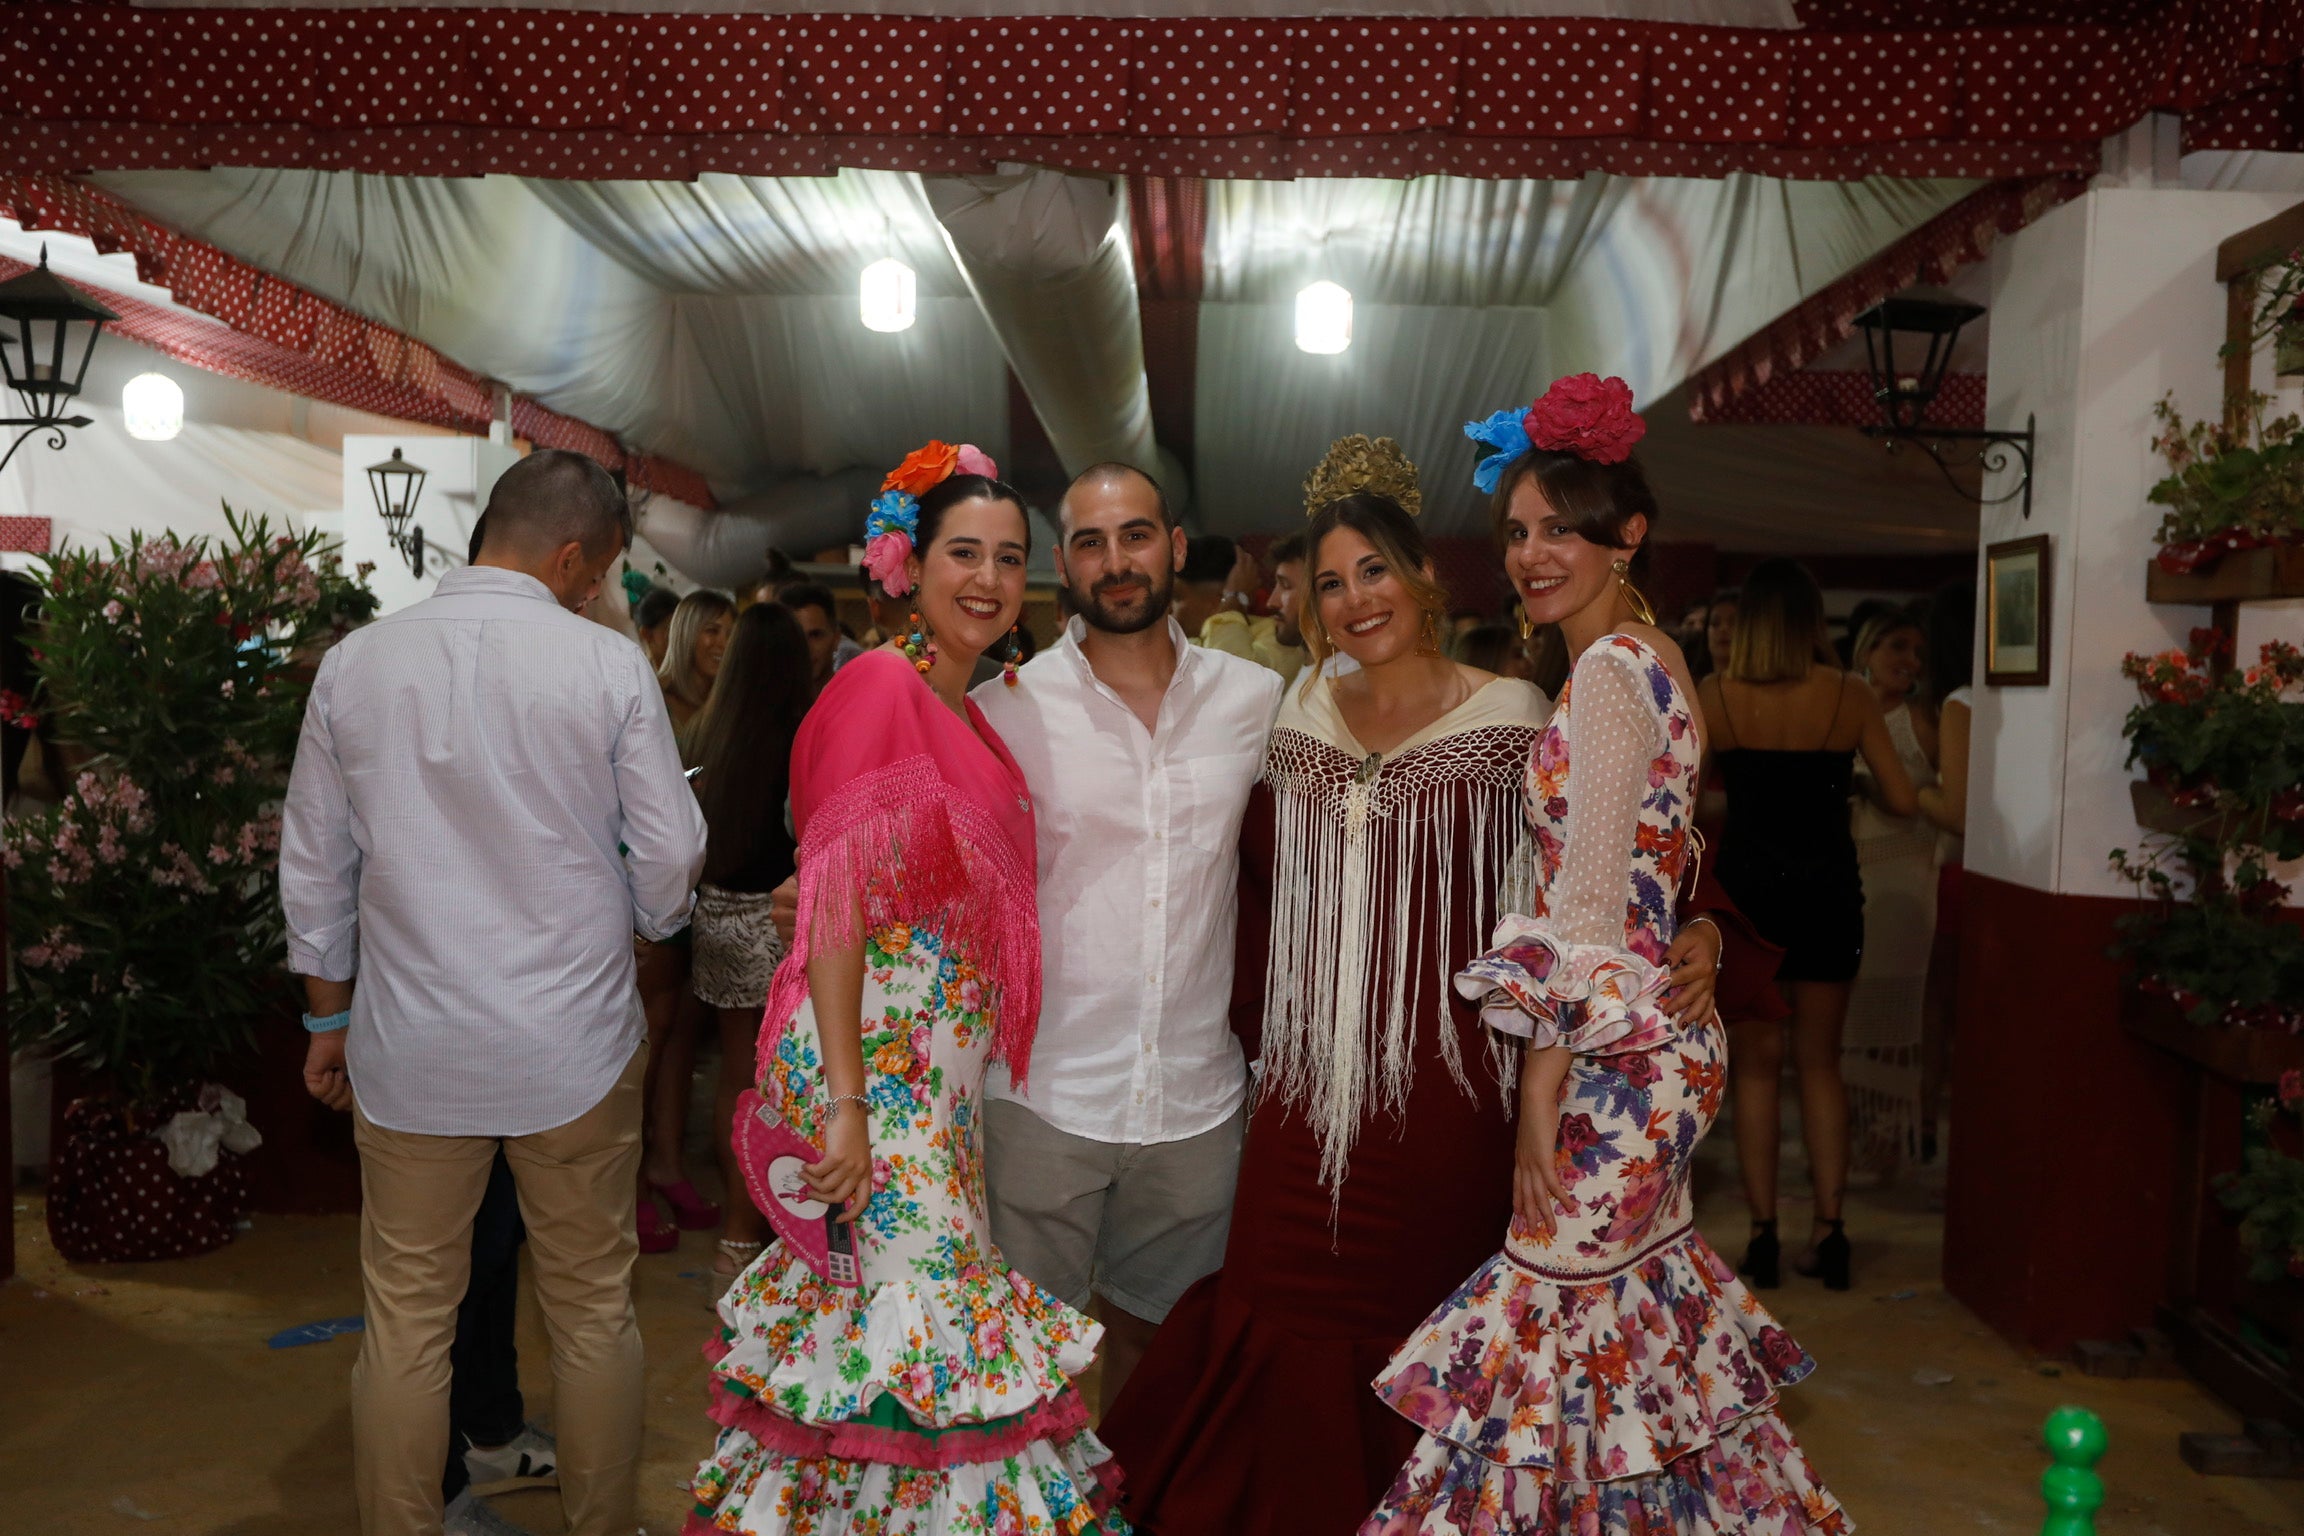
(1139, 865)
(468, 769)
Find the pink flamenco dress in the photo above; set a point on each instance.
(935, 1398)
(1613, 1378)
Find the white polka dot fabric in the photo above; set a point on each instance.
(1866, 87)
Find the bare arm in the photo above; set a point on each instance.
(836, 991)
(1946, 802)
(1879, 750)
(1537, 1193)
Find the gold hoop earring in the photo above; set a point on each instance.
(1527, 624)
(1632, 597)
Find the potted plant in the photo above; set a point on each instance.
(2225, 748)
(146, 930)
(2227, 488)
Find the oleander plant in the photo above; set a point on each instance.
(144, 909)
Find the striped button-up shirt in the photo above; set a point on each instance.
(486, 804)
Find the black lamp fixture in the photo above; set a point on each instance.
(396, 484)
(1907, 348)
(42, 354)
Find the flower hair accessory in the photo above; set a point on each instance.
(1359, 463)
(1582, 414)
(895, 518)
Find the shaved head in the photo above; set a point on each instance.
(1110, 475)
(553, 498)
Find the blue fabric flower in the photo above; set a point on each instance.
(893, 512)
(1506, 434)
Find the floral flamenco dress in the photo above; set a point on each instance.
(935, 1399)
(1614, 1378)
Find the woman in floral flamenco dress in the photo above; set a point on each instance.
(1606, 1374)
(933, 1399)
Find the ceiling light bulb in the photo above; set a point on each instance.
(153, 406)
(885, 298)
(1324, 318)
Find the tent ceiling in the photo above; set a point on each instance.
(715, 321)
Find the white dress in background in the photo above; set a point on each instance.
(1880, 1051)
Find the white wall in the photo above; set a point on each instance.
(458, 473)
(2098, 310)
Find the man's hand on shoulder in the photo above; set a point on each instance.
(324, 1075)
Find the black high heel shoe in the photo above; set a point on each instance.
(1830, 1259)
(1763, 1258)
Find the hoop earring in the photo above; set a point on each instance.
(1632, 598)
(1428, 634)
(1015, 648)
(1527, 624)
(919, 647)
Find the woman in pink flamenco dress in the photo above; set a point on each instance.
(1606, 1374)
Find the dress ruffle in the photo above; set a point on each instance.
(1752, 1480)
(1595, 999)
(1065, 1488)
(985, 1345)
(1590, 1379)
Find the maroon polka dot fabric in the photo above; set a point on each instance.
(1835, 398)
(113, 1199)
(271, 332)
(1961, 234)
(1984, 88)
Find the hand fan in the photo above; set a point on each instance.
(772, 1154)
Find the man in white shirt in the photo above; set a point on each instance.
(1114, 1175)
(486, 804)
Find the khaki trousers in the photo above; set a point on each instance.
(418, 1197)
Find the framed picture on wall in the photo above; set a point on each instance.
(2016, 613)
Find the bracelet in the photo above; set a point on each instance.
(328, 1025)
(1716, 928)
(839, 1099)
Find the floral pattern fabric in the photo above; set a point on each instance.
(936, 1397)
(1613, 1377)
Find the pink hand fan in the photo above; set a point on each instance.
(772, 1154)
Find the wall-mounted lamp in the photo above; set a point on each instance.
(396, 484)
(1905, 384)
(38, 344)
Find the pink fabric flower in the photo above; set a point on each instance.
(1587, 416)
(975, 461)
(884, 559)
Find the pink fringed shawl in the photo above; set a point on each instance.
(895, 798)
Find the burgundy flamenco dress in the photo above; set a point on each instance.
(1378, 1164)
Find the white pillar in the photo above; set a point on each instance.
(2098, 310)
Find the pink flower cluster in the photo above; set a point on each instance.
(57, 950)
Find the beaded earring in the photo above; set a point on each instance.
(1015, 649)
(919, 647)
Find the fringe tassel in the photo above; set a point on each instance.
(899, 845)
(1366, 853)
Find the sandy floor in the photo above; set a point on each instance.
(145, 1395)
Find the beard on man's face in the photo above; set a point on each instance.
(1125, 605)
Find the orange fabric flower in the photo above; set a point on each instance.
(923, 469)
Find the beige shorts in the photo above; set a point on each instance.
(1134, 1223)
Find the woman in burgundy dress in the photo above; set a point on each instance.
(1382, 843)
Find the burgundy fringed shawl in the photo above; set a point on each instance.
(899, 801)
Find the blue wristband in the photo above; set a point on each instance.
(328, 1025)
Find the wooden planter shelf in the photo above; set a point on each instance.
(2253, 1056)
(2250, 575)
(2156, 812)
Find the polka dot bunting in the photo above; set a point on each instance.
(1867, 87)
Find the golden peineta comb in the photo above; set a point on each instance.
(1361, 463)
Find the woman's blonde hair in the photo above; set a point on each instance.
(1880, 626)
(678, 671)
(1386, 525)
(1779, 626)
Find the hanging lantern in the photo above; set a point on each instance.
(152, 406)
(1324, 318)
(44, 351)
(886, 298)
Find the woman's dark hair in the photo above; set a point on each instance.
(1951, 639)
(1596, 499)
(955, 489)
(744, 735)
(1385, 524)
(1779, 626)
(1488, 646)
(654, 609)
